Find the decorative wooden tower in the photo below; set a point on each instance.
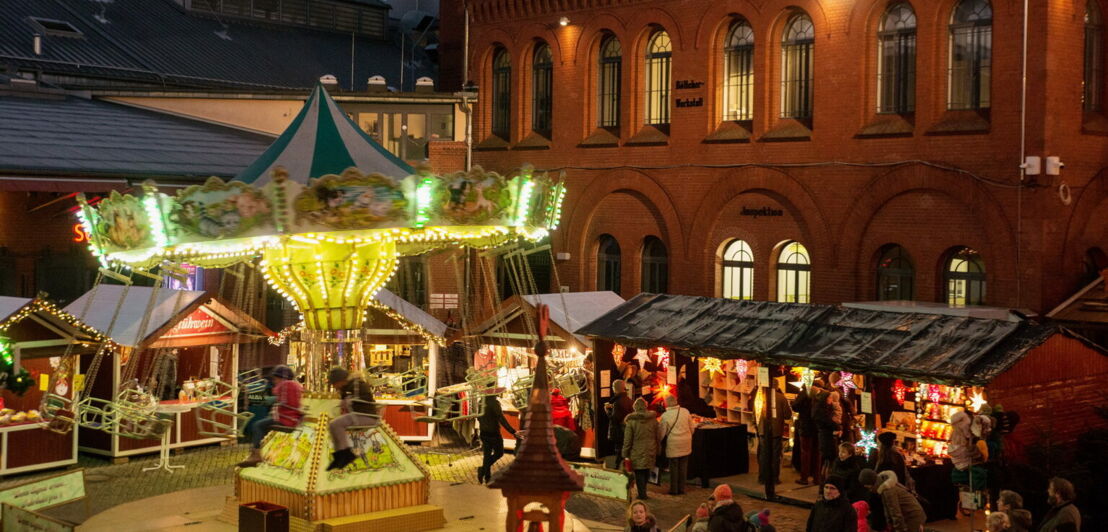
(538, 474)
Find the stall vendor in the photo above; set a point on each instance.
(286, 412)
(358, 409)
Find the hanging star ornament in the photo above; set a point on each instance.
(713, 366)
(977, 400)
(663, 357)
(805, 378)
(741, 367)
(899, 391)
(868, 442)
(847, 382)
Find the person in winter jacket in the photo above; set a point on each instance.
(559, 410)
(998, 522)
(876, 518)
(286, 411)
(902, 511)
(492, 443)
(771, 438)
(847, 466)
(639, 519)
(640, 443)
(727, 516)
(807, 435)
(1063, 515)
(617, 408)
(828, 414)
(677, 428)
(761, 521)
(862, 509)
(1011, 503)
(888, 458)
(703, 514)
(833, 512)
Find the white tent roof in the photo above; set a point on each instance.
(573, 310)
(411, 312)
(109, 297)
(11, 305)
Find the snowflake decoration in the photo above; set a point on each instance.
(899, 391)
(847, 382)
(868, 442)
(713, 366)
(977, 400)
(741, 367)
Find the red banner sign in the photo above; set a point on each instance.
(199, 322)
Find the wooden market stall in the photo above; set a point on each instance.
(505, 341)
(33, 332)
(182, 340)
(912, 366)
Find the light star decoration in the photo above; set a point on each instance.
(643, 356)
(713, 366)
(741, 366)
(977, 400)
(847, 382)
(805, 377)
(899, 391)
(868, 442)
(663, 357)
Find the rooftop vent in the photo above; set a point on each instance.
(425, 84)
(329, 80)
(377, 84)
(54, 28)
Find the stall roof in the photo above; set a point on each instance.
(572, 310)
(1089, 306)
(410, 316)
(9, 306)
(916, 346)
(568, 311)
(165, 308)
(39, 328)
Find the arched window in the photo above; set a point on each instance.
(658, 58)
(542, 89)
(797, 46)
(608, 264)
(738, 271)
(965, 278)
(738, 72)
(794, 274)
(971, 51)
(610, 78)
(501, 94)
(1094, 58)
(896, 60)
(655, 266)
(895, 274)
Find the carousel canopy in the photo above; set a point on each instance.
(323, 140)
(918, 346)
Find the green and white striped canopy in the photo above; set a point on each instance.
(322, 140)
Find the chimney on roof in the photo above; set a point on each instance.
(37, 44)
(425, 84)
(377, 84)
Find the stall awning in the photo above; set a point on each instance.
(568, 311)
(917, 346)
(408, 323)
(38, 328)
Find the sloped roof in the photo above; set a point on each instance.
(322, 140)
(74, 136)
(916, 346)
(155, 42)
(1089, 306)
(129, 307)
(572, 310)
(413, 315)
(10, 305)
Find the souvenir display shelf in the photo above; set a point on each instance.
(732, 395)
(926, 424)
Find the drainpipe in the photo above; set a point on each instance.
(1023, 158)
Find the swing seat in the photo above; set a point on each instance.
(213, 427)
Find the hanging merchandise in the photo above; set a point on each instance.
(900, 391)
(741, 367)
(868, 443)
(713, 366)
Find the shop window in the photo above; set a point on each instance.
(608, 264)
(501, 93)
(895, 274)
(797, 76)
(965, 278)
(1094, 58)
(738, 73)
(410, 281)
(971, 50)
(406, 135)
(609, 81)
(655, 266)
(794, 274)
(658, 63)
(896, 61)
(542, 88)
(738, 271)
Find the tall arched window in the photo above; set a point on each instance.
(794, 274)
(1094, 58)
(965, 278)
(797, 46)
(658, 58)
(896, 275)
(896, 60)
(655, 266)
(971, 55)
(610, 78)
(738, 72)
(542, 89)
(501, 94)
(738, 271)
(608, 264)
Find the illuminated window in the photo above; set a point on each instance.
(895, 274)
(738, 271)
(608, 264)
(655, 266)
(610, 77)
(797, 47)
(1094, 58)
(501, 94)
(794, 274)
(965, 278)
(971, 50)
(658, 57)
(738, 72)
(542, 79)
(896, 60)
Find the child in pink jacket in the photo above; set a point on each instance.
(862, 509)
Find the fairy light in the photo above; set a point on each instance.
(154, 215)
(424, 193)
(6, 352)
(524, 201)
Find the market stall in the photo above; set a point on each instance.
(505, 344)
(33, 332)
(906, 369)
(179, 344)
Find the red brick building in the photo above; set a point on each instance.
(850, 127)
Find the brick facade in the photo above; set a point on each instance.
(949, 179)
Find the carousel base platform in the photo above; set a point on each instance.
(409, 519)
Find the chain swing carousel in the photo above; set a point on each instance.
(325, 213)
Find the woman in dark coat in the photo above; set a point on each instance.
(847, 466)
(888, 458)
(833, 512)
